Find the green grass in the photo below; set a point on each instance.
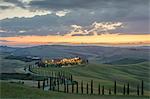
(12, 90)
(21, 76)
(9, 66)
(127, 61)
(101, 73)
(106, 74)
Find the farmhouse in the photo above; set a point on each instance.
(61, 62)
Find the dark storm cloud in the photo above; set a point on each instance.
(133, 13)
(70, 4)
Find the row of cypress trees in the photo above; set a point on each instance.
(61, 77)
(126, 88)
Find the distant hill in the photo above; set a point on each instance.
(94, 53)
(126, 61)
(7, 49)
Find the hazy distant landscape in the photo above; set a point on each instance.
(95, 54)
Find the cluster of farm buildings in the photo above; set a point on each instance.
(61, 62)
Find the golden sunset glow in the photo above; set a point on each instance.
(110, 39)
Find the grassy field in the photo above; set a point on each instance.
(12, 90)
(9, 66)
(106, 75)
(20, 76)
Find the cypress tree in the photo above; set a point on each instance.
(38, 84)
(50, 82)
(57, 85)
(115, 87)
(53, 84)
(142, 88)
(43, 84)
(124, 89)
(67, 88)
(71, 78)
(77, 88)
(103, 90)
(91, 86)
(82, 87)
(29, 68)
(128, 89)
(87, 88)
(99, 89)
(109, 91)
(72, 88)
(138, 89)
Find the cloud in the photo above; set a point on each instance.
(22, 31)
(85, 4)
(62, 13)
(94, 29)
(20, 12)
(50, 17)
(2, 31)
(25, 1)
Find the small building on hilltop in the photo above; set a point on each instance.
(61, 62)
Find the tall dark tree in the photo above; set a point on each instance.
(99, 89)
(103, 90)
(50, 82)
(138, 89)
(128, 89)
(43, 84)
(87, 88)
(57, 85)
(72, 87)
(124, 89)
(82, 87)
(91, 86)
(77, 87)
(38, 84)
(71, 78)
(29, 67)
(109, 91)
(115, 87)
(142, 88)
(54, 84)
(67, 88)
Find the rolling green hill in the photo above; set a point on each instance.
(12, 90)
(107, 74)
(125, 65)
(98, 54)
(128, 61)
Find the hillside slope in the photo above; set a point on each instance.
(95, 53)
(9, 90)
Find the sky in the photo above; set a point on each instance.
(103, 22)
